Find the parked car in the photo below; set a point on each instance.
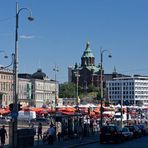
(111, 133)
(4, 119)
(36, 121)
(136, 131)
(143, 129)
(127, 134)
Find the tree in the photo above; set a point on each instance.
(92, 88)
(98, 97)
(67, 90)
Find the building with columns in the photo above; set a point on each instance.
(34, 89)
(42, 91)
(25, 91)
(6, 87)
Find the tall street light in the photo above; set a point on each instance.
(15, 101)
(56, 69)
(77, 75)
(121, 102)
(101, 86)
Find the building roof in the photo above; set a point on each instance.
(39, 75)
(87, 53)
(25, 75)
(131, 78)
(94, 68)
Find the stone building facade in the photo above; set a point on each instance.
(42, 91)
(34, 89)
(6, 87)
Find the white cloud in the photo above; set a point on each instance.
(26, 36)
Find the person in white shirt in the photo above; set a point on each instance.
(51, 133)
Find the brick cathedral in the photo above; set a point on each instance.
(86, 73)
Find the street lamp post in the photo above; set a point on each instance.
(101, 84)
(121, 102)
(77, 75)
(15, 101)
(56, 69)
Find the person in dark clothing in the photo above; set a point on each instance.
(39, 131)
(3, 134)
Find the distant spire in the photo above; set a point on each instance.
(76, 65)
(87, 46)
(114, 74)
(114, 70)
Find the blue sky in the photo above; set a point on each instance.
(61, 28)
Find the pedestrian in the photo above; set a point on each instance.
(91, 126)
(95, 127)
(3, 134)
(34, 129)
(80, 133)
(39, 131)
(59, 131)
(51, 134)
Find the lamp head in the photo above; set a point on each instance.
(30, 18)
(5, 56)
(110, 56)
(13, 54)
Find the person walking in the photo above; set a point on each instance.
(51, 134)
(34, 129)
(3, 134)
(80, 132)
(59, 131)
(39, 131)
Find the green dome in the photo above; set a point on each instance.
(87, 53)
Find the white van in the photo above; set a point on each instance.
(26, 115)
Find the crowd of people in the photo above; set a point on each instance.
(48, 136)
(63, 131)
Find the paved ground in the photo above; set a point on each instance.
(71, 143)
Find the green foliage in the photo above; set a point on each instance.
(67, 90)
(92, 88)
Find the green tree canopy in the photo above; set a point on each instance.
(67, 90)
